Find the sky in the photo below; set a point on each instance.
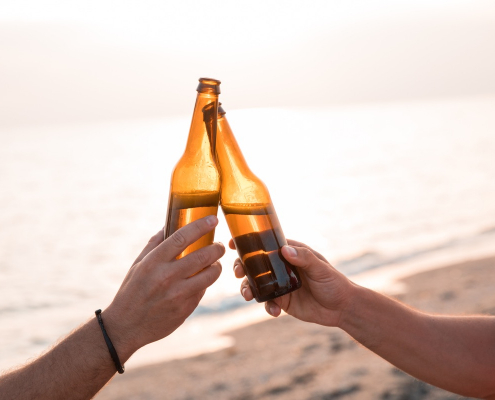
(66, 62)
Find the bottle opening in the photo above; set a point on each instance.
(209, 85)
(210, 81)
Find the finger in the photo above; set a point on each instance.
(232, 244)
(185, 236)
(272, 308)
(198, 260)
(199, 295)
(283, 302)
(152, 243)
(246, 291)
(300, 244)
(304, 258)
(238, 269)
(203, 279)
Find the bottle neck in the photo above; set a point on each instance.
(240, 187)
(231, 160)
(203, 131)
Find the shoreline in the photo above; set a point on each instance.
(289, 359)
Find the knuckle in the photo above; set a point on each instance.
(147, 266)
(165, 280)
(210, 277)
(201, 257)
(200, 227)
(179, 238)
(174, 296)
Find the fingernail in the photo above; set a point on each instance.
(243, 292)
(291, 251)
(211, 220)
(272, 310)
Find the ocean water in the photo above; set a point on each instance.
(366, 185)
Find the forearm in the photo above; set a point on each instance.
(158, 293)
(454, 353)
(76, 368)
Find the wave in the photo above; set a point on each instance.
(488, 231)
(27, 307)
(222, 305)
(371, 260)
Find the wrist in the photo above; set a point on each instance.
(119, 334)
(350, 313)
(368, 317)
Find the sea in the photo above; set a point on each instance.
(370, 186)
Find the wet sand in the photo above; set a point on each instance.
(284, 358)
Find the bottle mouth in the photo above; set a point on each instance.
(210, 81)
(209, 85)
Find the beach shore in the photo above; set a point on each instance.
(284, 358)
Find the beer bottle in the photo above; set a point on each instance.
(195, 182)
(252, 221)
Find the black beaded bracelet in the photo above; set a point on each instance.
(111, 349)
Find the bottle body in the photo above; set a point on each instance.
(258, 238)
(185, 208)
(252, 221)
(195, 182)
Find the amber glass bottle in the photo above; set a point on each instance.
(195, 182)
(252, 221)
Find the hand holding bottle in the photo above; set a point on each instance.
(324, 294)
(160, 291)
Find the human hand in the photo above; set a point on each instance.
(160, 292)
(324, 294)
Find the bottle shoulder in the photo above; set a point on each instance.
(244, 189)
(195, 174)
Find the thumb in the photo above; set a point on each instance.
(304, 258)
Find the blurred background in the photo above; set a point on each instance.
(371, 122)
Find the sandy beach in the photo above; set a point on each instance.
(284, 358)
